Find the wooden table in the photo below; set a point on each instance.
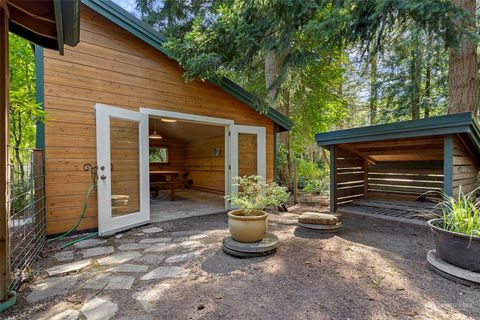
(169, 175)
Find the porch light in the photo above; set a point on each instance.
(155, 135)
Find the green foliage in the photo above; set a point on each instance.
(462, 214)
(21, 195)
(312, 176)
(254, 194)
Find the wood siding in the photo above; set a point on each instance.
(113, 67)
(465, 168)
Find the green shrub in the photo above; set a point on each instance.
(254, 194)
(462, 214)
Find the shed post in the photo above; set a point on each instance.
(4, 205)
(333, 179)
(448, 164)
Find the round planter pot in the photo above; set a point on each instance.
(455, 248)
(247, 228)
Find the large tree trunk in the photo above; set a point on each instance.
(462, 69)
(373, 88)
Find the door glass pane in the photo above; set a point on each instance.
(247, 154)
(124, 155)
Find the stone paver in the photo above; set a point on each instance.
(89, 243)
(118, 258)
(185, 233)
(110, 282)
(97, 251)
(99, 309)
(182, 257)
(154, 259)
(152, 230)
(69, 267)
(165, 272)
(61, 311)
(51, 287)
(149, 295)
(63, 256)
(133, 246)
(163, 247)
(127, 267)
(155, 240)
(192, 244)
(198, 236)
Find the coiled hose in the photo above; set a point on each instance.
(85, 203)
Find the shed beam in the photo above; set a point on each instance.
(448, 164)
(333, 179)
(358, 153)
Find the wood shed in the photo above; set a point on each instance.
(400, 170)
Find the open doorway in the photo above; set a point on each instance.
(187, 162)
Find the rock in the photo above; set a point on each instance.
(118, 258)
(52, 287)
(69, 267)
(152, 230)
(63, 256)
(182, 257)
(155, 240)
(163, 247)
(61, 311)
(139, 234)
(154, 259)
(318, 218)
(97, 251)
(165, 272)
(98, 308)
(118, 236)
(89, 243)
(192, 244)
(126, 267)
(110, 282)
(148, 296)
(133, 246)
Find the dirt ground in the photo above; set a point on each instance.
(369, 270)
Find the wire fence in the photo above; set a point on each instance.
(27, 211)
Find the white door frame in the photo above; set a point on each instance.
(107, 224)
(227, 123)
(260, 132)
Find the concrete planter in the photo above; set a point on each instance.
(247, 228)
(455, 248)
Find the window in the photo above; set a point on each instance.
(159, 155)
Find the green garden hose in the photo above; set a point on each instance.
(78, 223)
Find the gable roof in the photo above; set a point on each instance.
(461, 123)
(146, 33)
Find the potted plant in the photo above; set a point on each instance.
(248, 223)
(457, 234)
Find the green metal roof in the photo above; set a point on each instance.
(146, 33)
(462, 123)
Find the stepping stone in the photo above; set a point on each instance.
(154, 259)
(52, 287)
(69, 267)
(97, 251)
(148, 296)
(182, 257)
(163, 247)
(133, 246)
(89, 243)
(61, 311)
(267, 246)
(318, 218)
(110, 282)
(185, 233)
(165, 272)
(155, 240)
(192, 244)
(118, 258)
(63, 256)
(128, 268)
(99, 309)
(152, 230)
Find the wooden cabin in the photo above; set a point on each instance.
(401, 170)
(163, 148)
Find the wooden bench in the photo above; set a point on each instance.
(161, 185)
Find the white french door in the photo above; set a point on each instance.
(248, 152)
(122, 160)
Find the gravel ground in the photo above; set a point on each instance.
(369, 270)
